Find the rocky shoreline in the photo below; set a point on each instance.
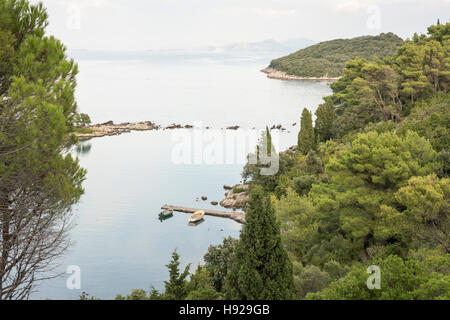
(236, 197)
(111, 129)
(280, 75)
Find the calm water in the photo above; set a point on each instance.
(119, 243)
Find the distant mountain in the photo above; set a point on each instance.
(327, 59)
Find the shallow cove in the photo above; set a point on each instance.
(119, 243)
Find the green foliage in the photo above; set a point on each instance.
(328, 58)
(303, 184)
(218, 261)
(176, 287)
(306, 137)
(431, 119)
(424, 214)
(37, 107)
(237, 190)
(200, 286)
(207, 293)
(400, 280)
(264, 156)
(361, 180)
(262, 269)
(325, 118)
(311, 280)
(297, 223)
(81, 120)
(388, 89)
(87, 296)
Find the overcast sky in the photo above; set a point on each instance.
(156, 24)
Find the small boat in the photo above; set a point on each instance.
(197, 216)
(166, 214)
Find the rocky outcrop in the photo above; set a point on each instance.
(111, 129)
(278, 127)
(236, 198)
(276, 74)
(174, 126)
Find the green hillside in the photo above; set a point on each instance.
(330, 57)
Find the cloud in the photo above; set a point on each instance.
(262, 12)
(353, 5)
(274, 13)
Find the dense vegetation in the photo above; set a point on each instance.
(367, 186)
(329, 58)
(374, 189)
(39, 180)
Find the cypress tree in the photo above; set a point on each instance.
(306, 137)
(261, 269)
(325, 116)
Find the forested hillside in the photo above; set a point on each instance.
(369, 184)
(329, 58)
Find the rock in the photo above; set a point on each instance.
(214, 203)
(236, 200)
(276, 74)
(294, 124)
(233, 128)
(188, 126)
(174, 126)
(109, 123)
(227, 187)
(204, 198)
(279, 126)
(111, 129)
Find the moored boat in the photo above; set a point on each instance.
(197, 216)
(166, 214)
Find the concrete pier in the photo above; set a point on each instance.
(236, 216)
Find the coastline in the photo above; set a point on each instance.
(281, 75)
(111, 129)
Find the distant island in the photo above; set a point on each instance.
(326, 60)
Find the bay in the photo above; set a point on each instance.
(119, 244)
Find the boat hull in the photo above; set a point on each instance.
(165, 215)
(197, 216)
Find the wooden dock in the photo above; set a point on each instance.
(236, 216)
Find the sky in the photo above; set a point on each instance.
(172, 24)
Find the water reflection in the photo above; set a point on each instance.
(83, 148)
(195, 224)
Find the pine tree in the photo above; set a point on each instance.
(306, 137)
(261, 269)
(39, 179)
(176, 287)
(409, 65)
